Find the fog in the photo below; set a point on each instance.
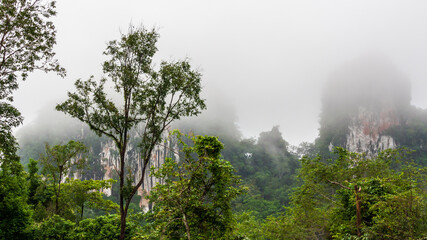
(266, 60)
(370, 81)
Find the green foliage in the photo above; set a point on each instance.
(392, 203)
(54, 227)
(102, 228)
(10, 117)
(149, 99)
(401, 212)
(76, 194)
(34, 181)
(195, 199)
(267, 167)
(260, 207)
(353, 197)
(288, 226)
(27, 40)
(15, 213)
(412, 134)
(42, 201)
(59, 160)
(248, 226)
(268, 172)
(105, 227)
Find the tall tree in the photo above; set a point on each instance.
(27, 38)
(149, 99)
(58, 161)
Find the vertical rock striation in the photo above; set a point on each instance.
(366, 131)
(109, 160)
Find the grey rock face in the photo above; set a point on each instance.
(366, 131)
(109, 159)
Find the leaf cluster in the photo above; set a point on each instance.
(27, 37)
(195, 199)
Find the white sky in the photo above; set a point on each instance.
(267, 58)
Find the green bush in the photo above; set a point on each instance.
(54, 228)
(102, 228)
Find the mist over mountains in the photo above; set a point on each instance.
(371, 83)
(365, 108)
(364, 104)
(368, 81)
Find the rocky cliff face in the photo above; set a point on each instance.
(105, 162)
(360, 102)
(366, 131)
(109, 160)
(58, 128)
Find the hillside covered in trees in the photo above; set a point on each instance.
(135, 154)
(285, 186)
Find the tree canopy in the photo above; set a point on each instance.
(195, 200)
(27, 37)
(58, 161)
(149, 99)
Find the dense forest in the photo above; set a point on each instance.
(148, 161)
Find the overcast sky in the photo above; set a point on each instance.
(268, 59)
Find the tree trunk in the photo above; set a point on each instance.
(122, 148)
(187, 228)
(57, 194)
(83, 206)
(125, 206)
(122, 224)
(122, 209)
(358, 211)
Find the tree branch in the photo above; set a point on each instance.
(339, 184)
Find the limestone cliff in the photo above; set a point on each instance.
(58, 128)
(109, 160)
(361, 102)
(104, 161)
(366, 131)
